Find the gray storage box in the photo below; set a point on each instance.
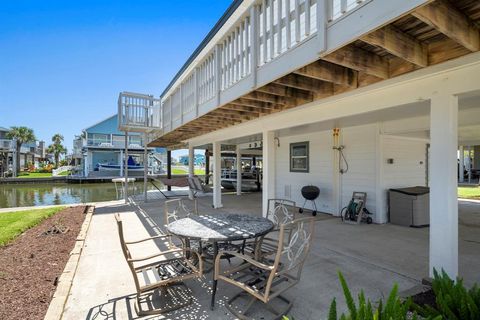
(410, 206)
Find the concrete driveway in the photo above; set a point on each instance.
(372, 258)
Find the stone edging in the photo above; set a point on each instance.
(57, 305)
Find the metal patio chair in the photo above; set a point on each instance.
(263, 282)
(197, 186)
(161, 274)
(177, 209)
(280, 211)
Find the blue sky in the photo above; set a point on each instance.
(63, 63)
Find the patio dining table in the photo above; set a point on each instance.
(221, 227)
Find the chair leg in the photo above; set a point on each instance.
(165, 292)
(242, 314)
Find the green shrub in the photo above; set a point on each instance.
(393, 309)
(453, 300)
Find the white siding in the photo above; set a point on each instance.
(409, 164)
(360, 153)
(366, 152)
(321, 169)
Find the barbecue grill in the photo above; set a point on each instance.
(310, 193)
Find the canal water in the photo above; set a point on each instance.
(27, 195)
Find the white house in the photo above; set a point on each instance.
(390, 89)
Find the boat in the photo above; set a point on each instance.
(132, 165)
(113, 167)
(251, 180)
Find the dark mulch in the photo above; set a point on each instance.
(31, 265)
(425, 298)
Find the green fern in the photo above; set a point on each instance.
(393, 309)
(453, 300)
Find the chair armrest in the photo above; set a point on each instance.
(155, 255)
(151, 238)
(243, 257)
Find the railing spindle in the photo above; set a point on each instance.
(279, 26)
(288, 30)
(297, 21)
(307, 18)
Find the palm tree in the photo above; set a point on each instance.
(57, 138)
(57, 148)
(22, 135)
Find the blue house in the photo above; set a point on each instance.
(103, 144)
(199, 160)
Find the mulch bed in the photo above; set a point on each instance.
(31, 265)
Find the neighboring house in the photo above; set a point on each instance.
(345, 95)
(102, 144)
(198, 161)
(30, 153)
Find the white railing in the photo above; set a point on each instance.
(6, 144)
(236, 54)
(138, 112)
(339, 8)
(255, 50)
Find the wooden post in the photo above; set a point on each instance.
(125, 187)
(239, 171)
(169, 167)
(207, 166)
(145, 166)
(461, 165)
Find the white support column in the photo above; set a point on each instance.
(268, 183)
(461, 164)
(239, 171)
(217, 172)
(443, 184)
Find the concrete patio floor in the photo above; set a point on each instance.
(372, 258)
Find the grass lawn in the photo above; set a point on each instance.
(34, 175)
(469, 192)
(183, 171)
(12, 224)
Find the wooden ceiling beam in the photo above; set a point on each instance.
(330, 72)
(399, 44)
(270, 98)
(256, 104)
(359, 59)
(300, 82)
(447, 19)
(285, 91)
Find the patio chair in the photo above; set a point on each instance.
(264, 282)
(280, 211)
(197, 186)
(160, 274)
(176, 209)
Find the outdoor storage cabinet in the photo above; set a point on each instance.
(410, 206)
